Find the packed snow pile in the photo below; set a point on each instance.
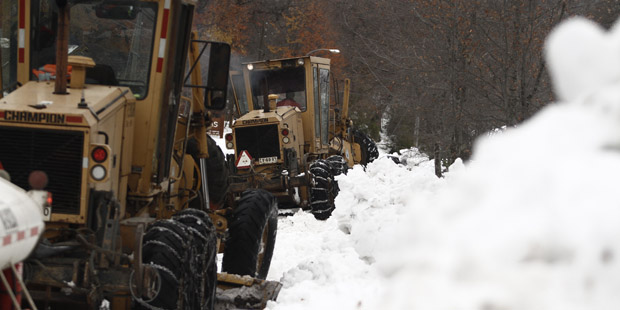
(412, 157)
(532, 222)
(333, 264)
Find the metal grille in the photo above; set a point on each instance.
(259, 141)
(58, 153)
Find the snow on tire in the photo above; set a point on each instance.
(251, 235)
(323, 191)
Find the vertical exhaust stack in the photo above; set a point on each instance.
(1, 82)
(62, 48)
(345, 104)
(272, 103)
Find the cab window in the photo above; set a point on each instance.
(237, 88)
(288, 83)
(317, 110)
(324, 98)
(118, 37)
(8, 44)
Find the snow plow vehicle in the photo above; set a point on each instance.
(107, 98)
(290, 139)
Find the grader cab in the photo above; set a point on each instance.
(110, 100)
(290, 138)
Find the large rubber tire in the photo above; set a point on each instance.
(217, 172)
(322, 191)
(164, 248)
(204, 263)
(251, 235)
(367, 146)
(183, 251)
(337, 164)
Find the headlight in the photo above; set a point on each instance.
(98, 172)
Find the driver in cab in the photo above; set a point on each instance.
(289, 100)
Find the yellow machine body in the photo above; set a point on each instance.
(113, 142)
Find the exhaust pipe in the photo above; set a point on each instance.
(62, 48)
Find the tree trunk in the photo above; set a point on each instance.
(437, 161)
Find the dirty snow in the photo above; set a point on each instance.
(531, 222)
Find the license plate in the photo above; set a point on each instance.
(268, 160)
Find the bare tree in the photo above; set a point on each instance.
(441, 71)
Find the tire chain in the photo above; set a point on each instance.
(322, 192)
(178, 248)
(337, 164)
(369, 148)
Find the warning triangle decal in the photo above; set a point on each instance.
(244, 160)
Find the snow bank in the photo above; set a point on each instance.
(319, 267)
(332, 264)
(533, 222)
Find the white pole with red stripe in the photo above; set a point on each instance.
(21, 32)
(163, 37)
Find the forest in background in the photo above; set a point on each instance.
(441, 72)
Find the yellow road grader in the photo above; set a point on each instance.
(111, 99)
(293, 137)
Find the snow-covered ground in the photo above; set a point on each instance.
(532, 222)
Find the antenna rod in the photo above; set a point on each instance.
(62, 48)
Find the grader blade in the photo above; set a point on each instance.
(244, 292)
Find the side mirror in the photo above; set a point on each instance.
(215, 56)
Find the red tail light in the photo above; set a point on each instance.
(285, 132)
(49, 198)
(229, 137)
(99, 154)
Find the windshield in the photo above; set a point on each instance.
(288, 83)
(237, 88)
(8, 43)
(119, 38)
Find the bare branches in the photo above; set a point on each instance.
(462, 67)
